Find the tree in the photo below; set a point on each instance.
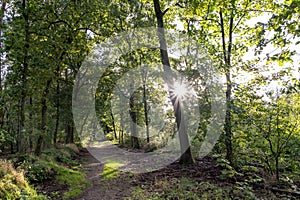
(268, 129)
(186, 154)
(221, 28)
(3, 8)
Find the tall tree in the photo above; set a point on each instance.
(24, 74)
(227, 66)
(2, 14)
(186, 154)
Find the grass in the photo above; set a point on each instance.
(71, 175)
(110, 170)
(74, 179)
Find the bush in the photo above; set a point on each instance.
(22, 160)
(13, 184)
(36, 170)
(61, 155)
(39, 172)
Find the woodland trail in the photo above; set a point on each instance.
(121, 186)
(100, 189)
(124, 184)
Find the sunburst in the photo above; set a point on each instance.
(180, 89)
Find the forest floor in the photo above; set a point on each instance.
(100, 188)
(203, 180)
(121, 186)
(125, 185)
(66, 172)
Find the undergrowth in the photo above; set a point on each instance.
(13, 184)
(186, 188)
(56, 164)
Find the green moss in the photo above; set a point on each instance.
(72, 193)
(110, 170)
(53, 163)
(74, 179)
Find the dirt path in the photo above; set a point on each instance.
(134, 161)
(204, 170)
(118, 188)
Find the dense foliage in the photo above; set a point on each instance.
(253, 44)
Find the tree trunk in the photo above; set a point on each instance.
(121, 137)
(146, 110)
(57, 105)
(114, 125)
(186, 154)
(69, 133)
(31, 125)
(69, 137)
(227, 61)
(10, 131)
(20, 147)
(3, 7)
(43, 130)
(277, 167)
(133, 114)
(72, 133)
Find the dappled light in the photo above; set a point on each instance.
(136, 100)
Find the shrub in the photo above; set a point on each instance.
(13, 184)
(39, 171)
(61, 155)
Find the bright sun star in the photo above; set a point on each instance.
(180, 89)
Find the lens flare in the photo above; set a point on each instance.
(180, 89)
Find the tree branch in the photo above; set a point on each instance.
(241, 17)
(283, 145)
(223, 36)
(165, 11)
(177, 4)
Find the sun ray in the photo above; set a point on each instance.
(180, 90)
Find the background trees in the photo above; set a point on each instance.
(44, 48)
